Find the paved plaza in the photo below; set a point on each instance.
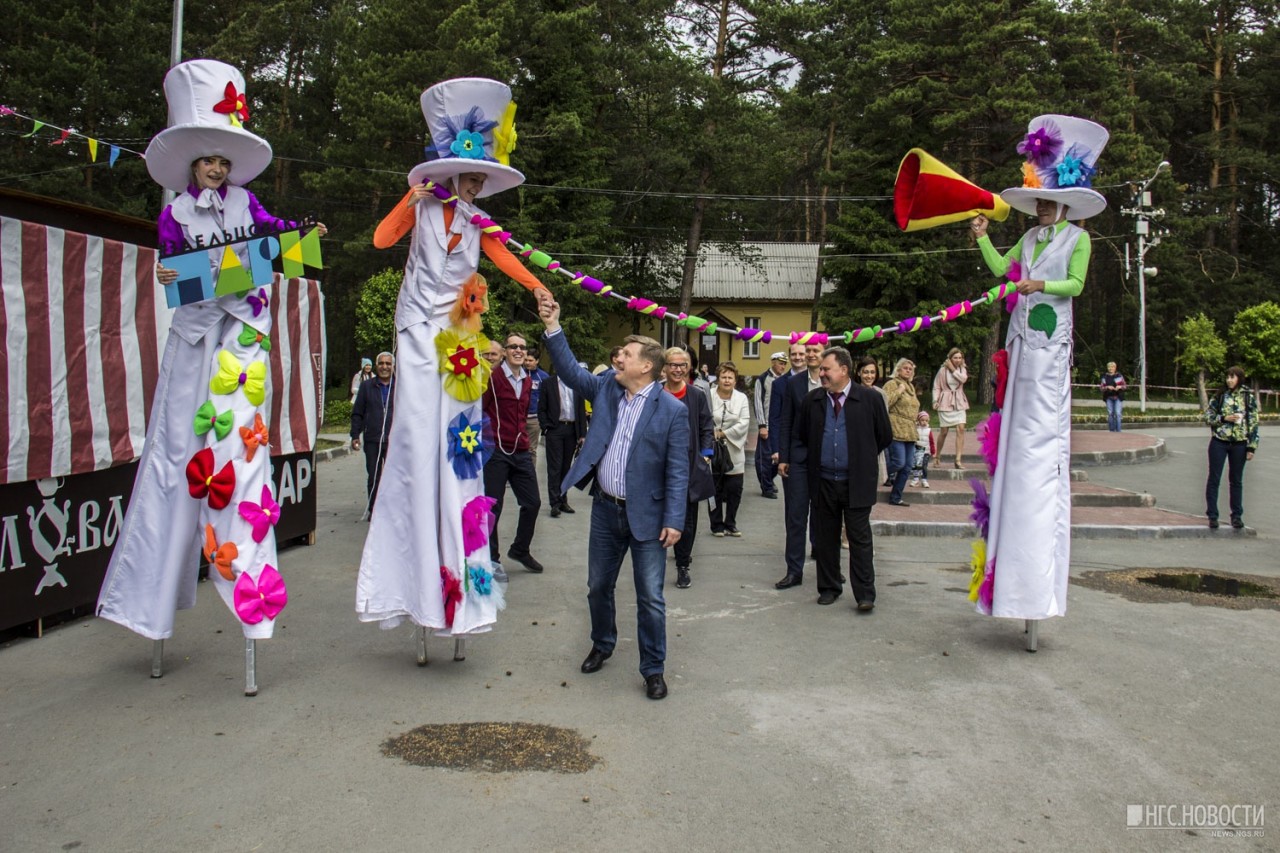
(921, 726)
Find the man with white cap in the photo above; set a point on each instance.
(762, 394)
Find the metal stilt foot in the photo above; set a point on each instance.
(1033, 634)
(422, 646)
(459, 648)
(157, 658)
(251, 667)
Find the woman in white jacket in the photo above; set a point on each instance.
(731, 415)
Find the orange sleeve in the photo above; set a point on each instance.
(396, 224)
(508, 263)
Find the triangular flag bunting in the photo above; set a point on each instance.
(61, 139)
(93, 150)
(34, 130)
(310, 246)
(115, 152)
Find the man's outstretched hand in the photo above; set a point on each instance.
(549, 312)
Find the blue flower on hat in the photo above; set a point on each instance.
(1073, 171)
(468, 144)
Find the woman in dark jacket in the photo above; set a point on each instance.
(701, 446)
(1233, 417)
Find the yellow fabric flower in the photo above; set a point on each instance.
(504, 135)
(979, 564)
(461, 353)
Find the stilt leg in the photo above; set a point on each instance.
(250, 667)
(157, 658)
(422, 646)
(459, 649)
(1033, 634)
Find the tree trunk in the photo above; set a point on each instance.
(822, 223)
(1200, 389)
(991, 343)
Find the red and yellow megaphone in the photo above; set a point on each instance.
(927, 194)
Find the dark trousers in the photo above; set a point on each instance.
(560, 445)
(724, 515)
(1231, 453)
(516, 469)
(684, 548)
(375, 460)
(766, 469)
(795, 494)
(830, 510)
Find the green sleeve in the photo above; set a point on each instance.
(1073, 284)
(997, 263)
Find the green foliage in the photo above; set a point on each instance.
(337, 410)
(376, 312)
(1200, 347)
(1254, 340)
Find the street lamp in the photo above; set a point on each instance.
(1142, 228)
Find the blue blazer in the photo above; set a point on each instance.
(658, 463)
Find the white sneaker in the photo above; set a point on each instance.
(924, 483)
(915, 481)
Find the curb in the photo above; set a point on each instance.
(959, 530)
(1133, 456)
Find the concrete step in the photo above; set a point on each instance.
(978, 470)
(960, 493)
(1127, 522)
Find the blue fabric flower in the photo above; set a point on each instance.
(481, 580)
(1073, 171)
(468, 145)
(468, 445)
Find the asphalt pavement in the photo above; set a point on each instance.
(790, 726)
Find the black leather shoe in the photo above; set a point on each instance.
(828, 598)
(555, 512)
(595, 660)
(526, 559)
(655, 686)
(788, 582)
(866, 606)
(683, 581)
(899, 503)
(1213, 524)
(773, 496)
(1237, 523)
(566, 508)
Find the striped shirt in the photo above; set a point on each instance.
(612, 474)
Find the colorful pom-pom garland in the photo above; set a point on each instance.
(541, 258)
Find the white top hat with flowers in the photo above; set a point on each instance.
(207, 111)
(472, 125)
(1062, 157)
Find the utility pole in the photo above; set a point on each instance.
(175, 56)
(1146, 241)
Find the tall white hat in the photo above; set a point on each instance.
(472, 125)
(1062, 156)
(207, 110)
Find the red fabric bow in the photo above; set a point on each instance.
(234, 104)
(202, 482)
(451, 589)
(219, 556)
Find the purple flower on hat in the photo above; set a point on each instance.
(1073, 171)
(1042, 145)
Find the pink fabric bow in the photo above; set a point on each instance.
(262, 516)
(262, 600)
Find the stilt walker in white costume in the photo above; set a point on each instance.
(204, 480)
(1023, 573)
(426, 558)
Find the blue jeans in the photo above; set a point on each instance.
(608, 544)
(1114, 406)
(901, 455)
(1231, 453)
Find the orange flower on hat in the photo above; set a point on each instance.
(1030, 179)
(235, 106)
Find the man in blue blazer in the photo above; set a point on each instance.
(636, 461)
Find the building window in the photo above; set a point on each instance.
(751, 349)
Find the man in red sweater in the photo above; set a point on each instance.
(506, 405)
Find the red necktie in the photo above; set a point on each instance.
(835, 403)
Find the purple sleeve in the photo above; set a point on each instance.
(170, 232)
(261, 216)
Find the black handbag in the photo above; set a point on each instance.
(721, 461)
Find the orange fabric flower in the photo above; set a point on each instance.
(473, 301)
(1030, 179)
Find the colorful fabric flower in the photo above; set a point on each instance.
(208, 418)
(981, 515)
(255, 437)
(263, 599)
(468, 145)
(1001, 360)
(234, 105)
(259, 302)
(477, 523)
(451, 591)
(468, 446)
(987, 590)
(250, 336)
(1073, 171)
(504, 136)
(466, 374)
(1030, 177)
(220, 556)
(979, 564)
(1041, 146)
(481, 580)
(465, 136)
(474, 301)
(231, 376)
(262, 515)
(989, 440)
(202, 482)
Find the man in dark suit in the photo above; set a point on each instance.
(789, 392)
(845, 426)
(562, 415)
(636, 460)
(371, 423)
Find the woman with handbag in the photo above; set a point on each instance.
(731, 414)
(1233, 417)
